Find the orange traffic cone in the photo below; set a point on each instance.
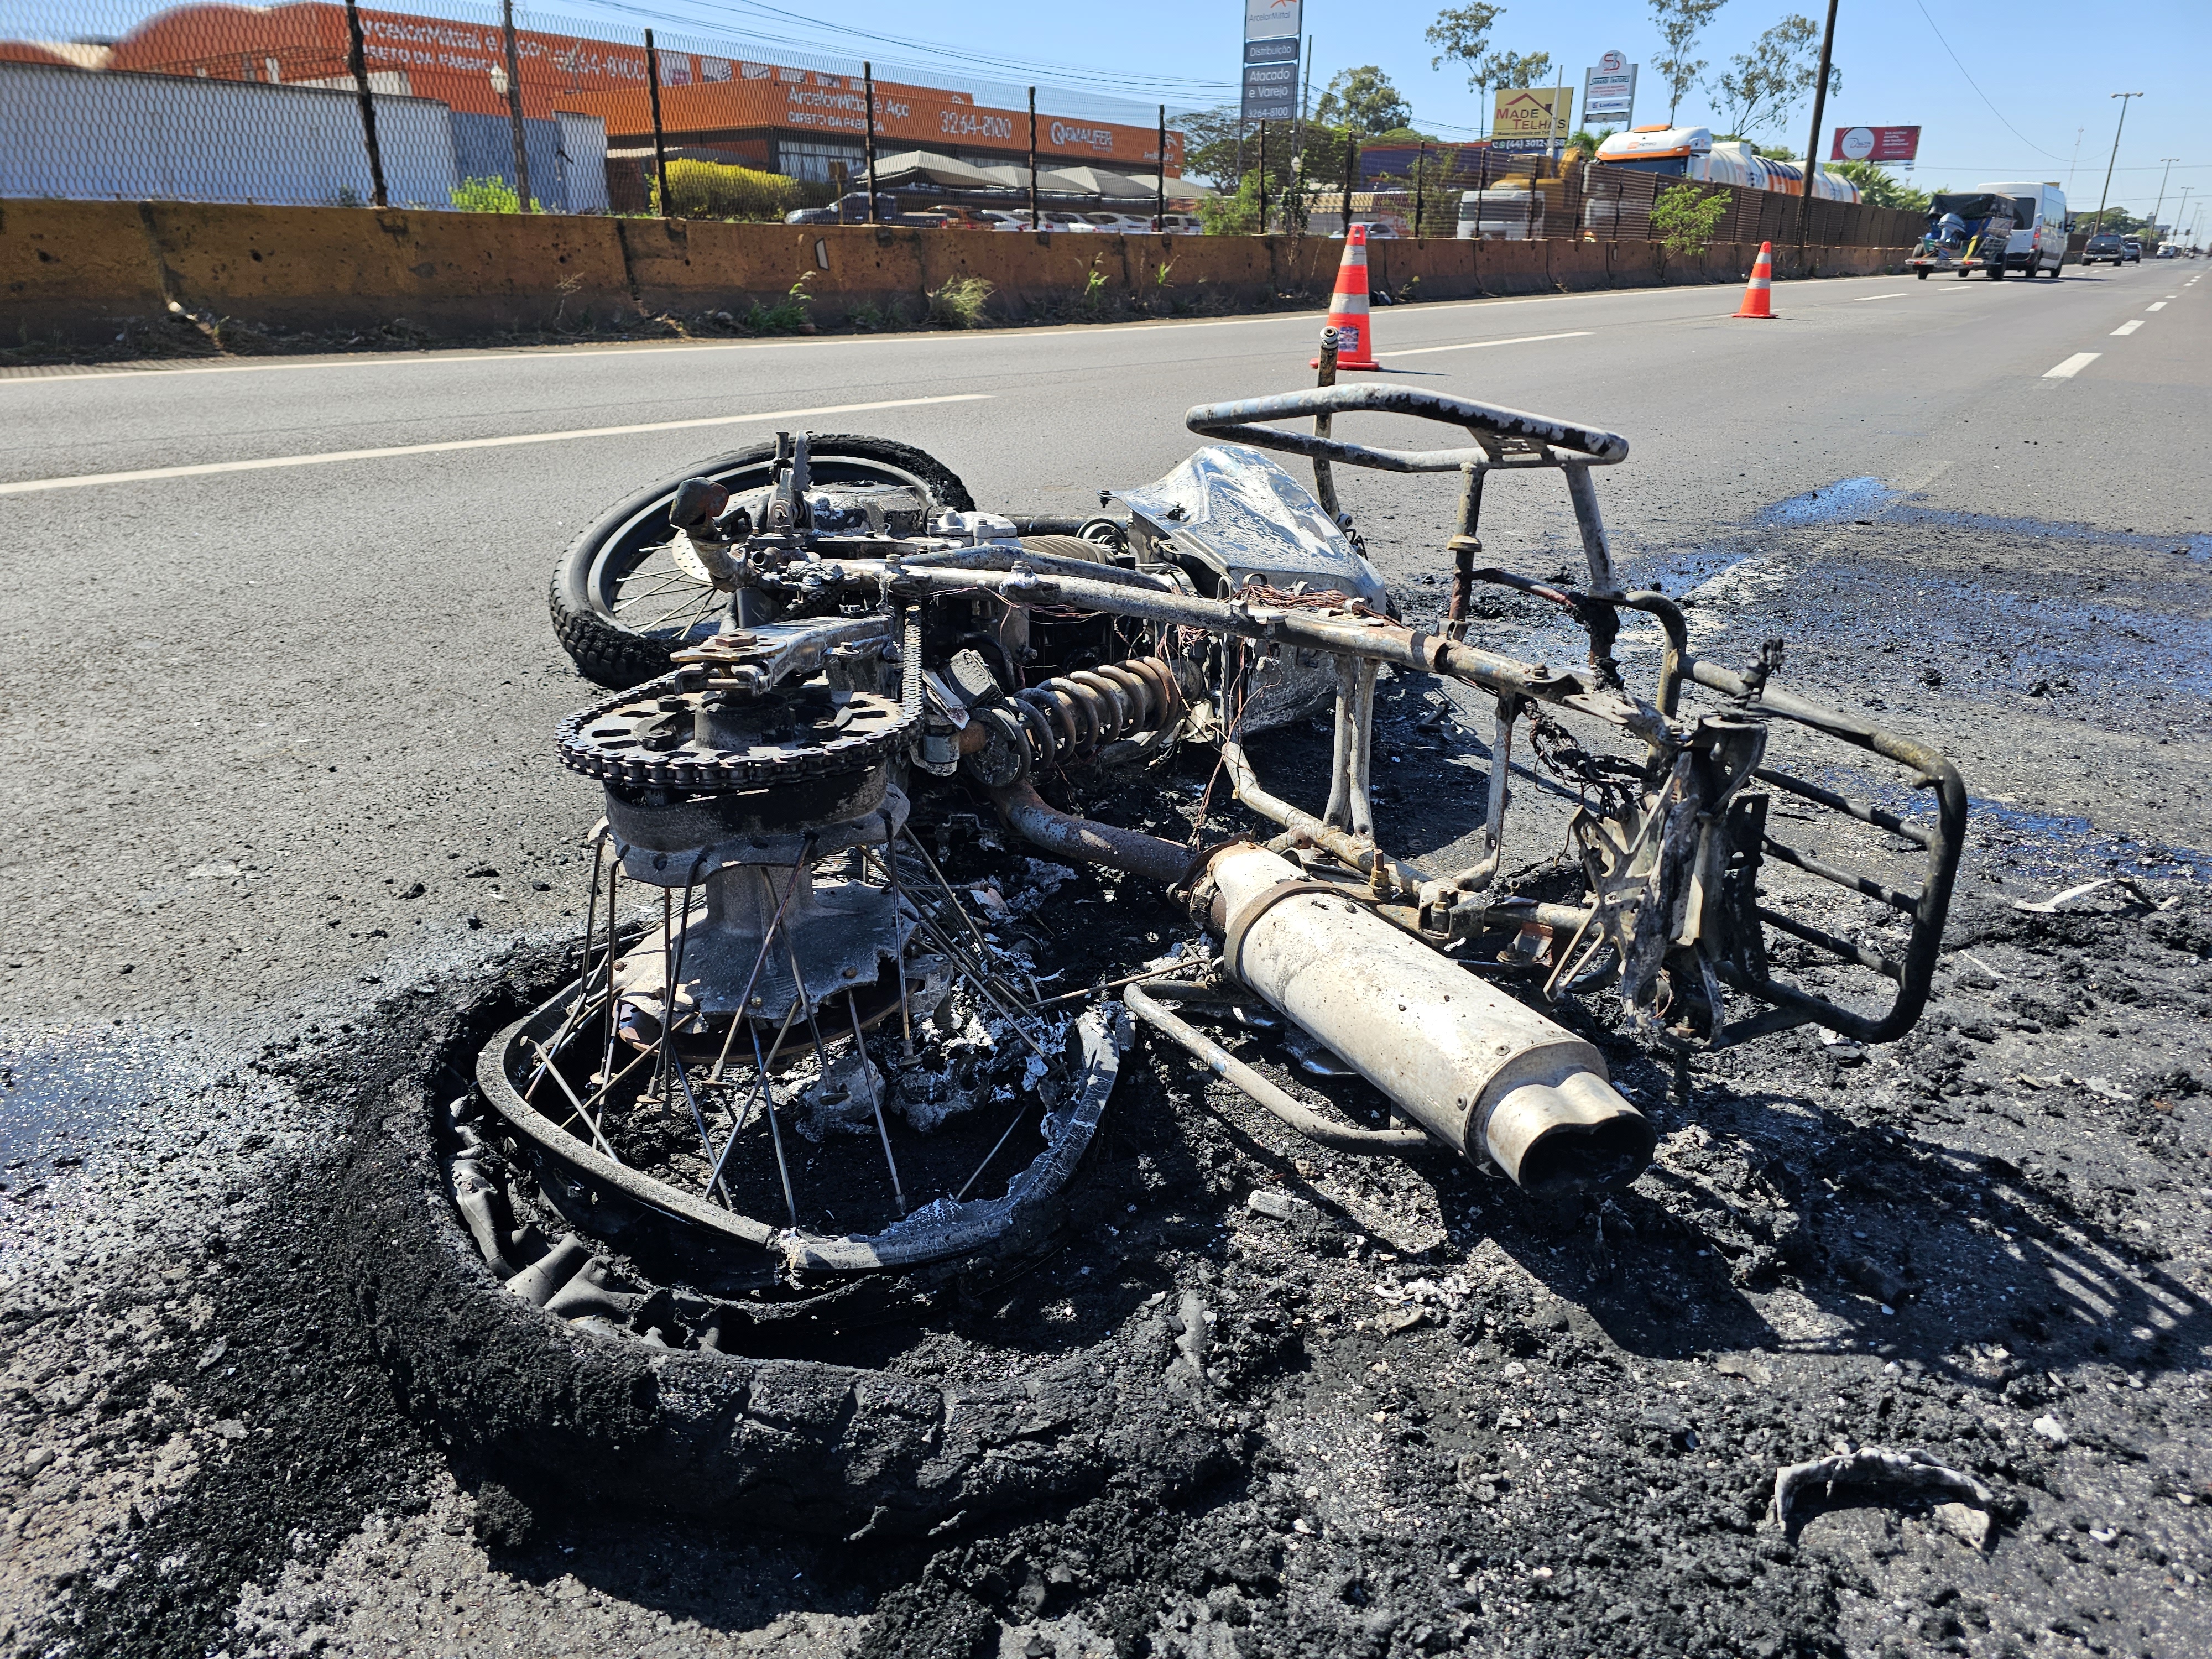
(1759, 293)
(1347, 306)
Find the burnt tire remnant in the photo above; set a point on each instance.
(618, 652)
(785, 1442)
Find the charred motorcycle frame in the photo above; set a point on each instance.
(810, 977)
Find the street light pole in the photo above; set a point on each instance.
(2106, 194)
(2162, 177)
(1813, 144)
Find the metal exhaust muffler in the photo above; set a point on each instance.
(1492, 1078)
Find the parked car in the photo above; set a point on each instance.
(1121, 224)
(1003, 218)
(2134, 249)
(2105, 248)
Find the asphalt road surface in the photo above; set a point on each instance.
(299, 661)
(277, 741)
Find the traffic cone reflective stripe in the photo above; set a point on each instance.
(1759, 293)
(1348, 306)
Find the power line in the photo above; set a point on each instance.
(1984, 96)
(1091, 72)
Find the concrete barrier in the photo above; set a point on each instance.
(74, 270)
(73, 273)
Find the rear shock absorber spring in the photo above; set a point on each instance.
(1068, 716)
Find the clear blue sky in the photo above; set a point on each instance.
(2048, 65)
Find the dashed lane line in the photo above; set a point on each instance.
(2072, 366)
(2155, 305)
(1867, 299)
(2129, 328)
(1477, 345)
(207, 469)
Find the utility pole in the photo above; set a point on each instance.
(1813, 144)
(2107, 195)
(2181, 213)
(2162, 177)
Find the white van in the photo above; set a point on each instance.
(2038, 232)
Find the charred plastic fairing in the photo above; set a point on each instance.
(777, 1056)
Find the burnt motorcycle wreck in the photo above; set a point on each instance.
(797, 1053)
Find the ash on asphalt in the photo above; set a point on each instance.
(1428, 1414)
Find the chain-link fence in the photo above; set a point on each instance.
(484, 108)
(1473, 189)
(481, 107)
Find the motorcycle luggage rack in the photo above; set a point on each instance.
(1513, 440)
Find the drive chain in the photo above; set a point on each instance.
(878, 728)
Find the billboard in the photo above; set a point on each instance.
(1523, 119)
(1271, 59)
(1882, 145)
(1609, 90)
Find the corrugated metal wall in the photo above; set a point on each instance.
(68, 133)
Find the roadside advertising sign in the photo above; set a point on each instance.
(1522, 118)
(1271, 91)
(1271, 58)
(1609, 90)
(1877, 144)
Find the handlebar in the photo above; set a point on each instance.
(1507, 428)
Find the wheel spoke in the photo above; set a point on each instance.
(673, 586)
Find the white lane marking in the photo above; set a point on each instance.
(1865, 298)
(2072, 366)
(1477, 345)
(2155, 305)
(26, 486)
(2129, 328)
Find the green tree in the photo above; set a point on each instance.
(1683, 219)
(1679, 23)
(1879, 187)
(1363, 100)
(1522, 69)
(1212, 145)
(1761, 86)
(1463, 37)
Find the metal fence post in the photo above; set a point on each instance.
(1350, 169)
(1036, 218)
(660, 139)
(1421, 163)
(514, 108)
(1263, 177)
(357, 61)
(1160, 185)
(868, 91)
